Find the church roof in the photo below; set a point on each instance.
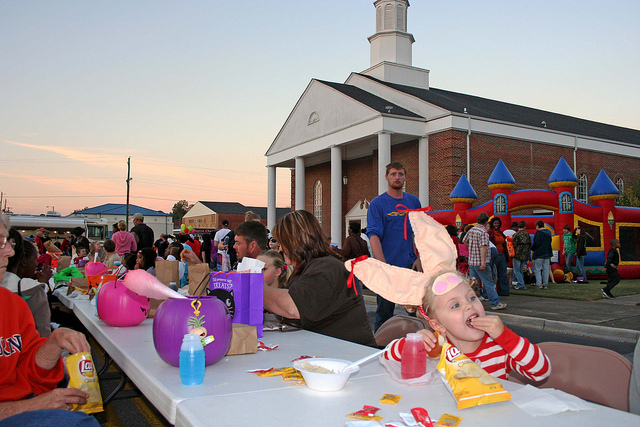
(562, 175)
(501, 177)
(603, 187)
(120, 209)
(235, 208)
(370, 100)
(463, 191)
(512, 113)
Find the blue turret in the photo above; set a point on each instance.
(501, 177)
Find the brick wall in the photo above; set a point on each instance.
(531, 164)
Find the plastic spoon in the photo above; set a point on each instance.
(347, 368)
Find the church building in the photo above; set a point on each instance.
(339, 137)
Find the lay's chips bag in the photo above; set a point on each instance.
(82, 375)
(470, 384)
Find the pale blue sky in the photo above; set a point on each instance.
(196, 91)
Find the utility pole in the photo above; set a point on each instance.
(128, 184)
(1, 195)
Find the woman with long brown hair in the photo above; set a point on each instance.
(317, 292)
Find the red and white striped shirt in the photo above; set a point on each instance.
(498, 357)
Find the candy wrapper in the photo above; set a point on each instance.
(82, 375)
(470, 384)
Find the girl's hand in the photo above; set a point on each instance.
(429, 339)
(492, 325)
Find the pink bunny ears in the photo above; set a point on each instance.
(403, 286)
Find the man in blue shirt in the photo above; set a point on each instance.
(385, 229)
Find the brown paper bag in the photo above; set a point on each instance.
(63, 262)
(166, 272)
(198, 279)
(80, 283)
(244, 340)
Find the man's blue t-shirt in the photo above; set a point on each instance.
(388, 224)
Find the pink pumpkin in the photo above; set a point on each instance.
(119, 306)
(94, 268)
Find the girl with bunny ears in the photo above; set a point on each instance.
(450, 305)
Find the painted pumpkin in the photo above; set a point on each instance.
(94, 268)
(119, 306)
(205, 316)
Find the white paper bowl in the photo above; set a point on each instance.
(322, 381)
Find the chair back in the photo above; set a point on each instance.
(398, 327)
(595, 374)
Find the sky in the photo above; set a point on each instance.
(196, 91)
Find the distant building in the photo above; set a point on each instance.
(159, 221)
(207, 216)
(339, 137)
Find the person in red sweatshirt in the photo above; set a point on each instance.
(30, 365)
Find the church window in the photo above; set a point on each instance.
(313, 118)
(379, 15)
(401, 18)
(566, 203)
(620, 185)
(388, 17)
(317, 201)
(500, 204)
(582, 188)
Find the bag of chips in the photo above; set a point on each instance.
(82, 375)
(470, 384)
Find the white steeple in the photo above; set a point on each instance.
(391, 46)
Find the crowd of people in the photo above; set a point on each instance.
(306, 284)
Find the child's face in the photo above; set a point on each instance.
(566, 231)
(452, 315)
(269, 271)
(82, 253)
(140, 260)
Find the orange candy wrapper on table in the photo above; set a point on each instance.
(82, 375)
(470, 384)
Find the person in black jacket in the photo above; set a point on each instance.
(143, 232)
(613, 277)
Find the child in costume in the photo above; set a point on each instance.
(451, 306)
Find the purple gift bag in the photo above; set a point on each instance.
(243, 295)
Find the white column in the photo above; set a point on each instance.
(384, 158)
(299, 183)
(271, 197)
(423, 170)
(336, 195)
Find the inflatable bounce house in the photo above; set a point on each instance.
(602, 219)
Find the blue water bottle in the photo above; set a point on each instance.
(191, 360)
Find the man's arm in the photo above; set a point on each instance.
(483, 257)
(376, 247)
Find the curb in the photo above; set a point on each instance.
(593, 331)
(556, 326)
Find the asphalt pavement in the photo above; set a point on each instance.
(614, 319)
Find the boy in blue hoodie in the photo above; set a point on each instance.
(542, 254)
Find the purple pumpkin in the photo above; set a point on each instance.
(119, 306)
(205, 316)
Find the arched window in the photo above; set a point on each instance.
(500, 205)
(317, 201)
(620, 185)
(582, 188)
(566, 203)
(400, 21)
(388, 17)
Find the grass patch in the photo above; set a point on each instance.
(581, 292)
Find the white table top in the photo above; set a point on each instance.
(133, 350)
(304, 407)
(231, 396)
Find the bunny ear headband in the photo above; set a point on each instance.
(404, 286)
